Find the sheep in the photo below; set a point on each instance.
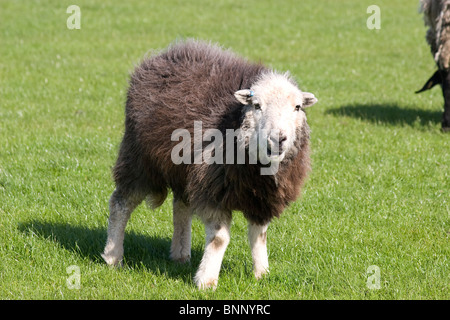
(194, 82)
(437, 18)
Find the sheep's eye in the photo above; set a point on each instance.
(257, 106)
(298, 107)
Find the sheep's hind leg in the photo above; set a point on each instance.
(257, 236)
(180, 249)
(120, 209)
(217, 239)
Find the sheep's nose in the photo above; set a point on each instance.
(275, 145)
(282, 139)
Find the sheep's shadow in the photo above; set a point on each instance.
(141, 251)
(390, 114)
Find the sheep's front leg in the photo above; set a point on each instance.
(120, 208)
(257, 236)
(180, 249)
(217, 239)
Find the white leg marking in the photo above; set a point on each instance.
(217, 239)
(120, 209)
(180, 249)
(257, 236)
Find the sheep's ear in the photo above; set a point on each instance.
(244, 96)
(308, 99)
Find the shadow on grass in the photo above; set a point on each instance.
(141, 251)
(389, 114)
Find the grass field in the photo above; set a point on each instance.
(378, 194)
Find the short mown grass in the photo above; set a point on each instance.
(378, 193)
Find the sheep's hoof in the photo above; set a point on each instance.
(207, 284)
(261, 273)
(179, 257)
(181, 260)
(111, 260)
(206, 281)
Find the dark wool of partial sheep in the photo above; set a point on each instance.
(436, 15)
(194, 82)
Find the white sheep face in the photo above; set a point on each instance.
(273, 113)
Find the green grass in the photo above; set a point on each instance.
(378, 193)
